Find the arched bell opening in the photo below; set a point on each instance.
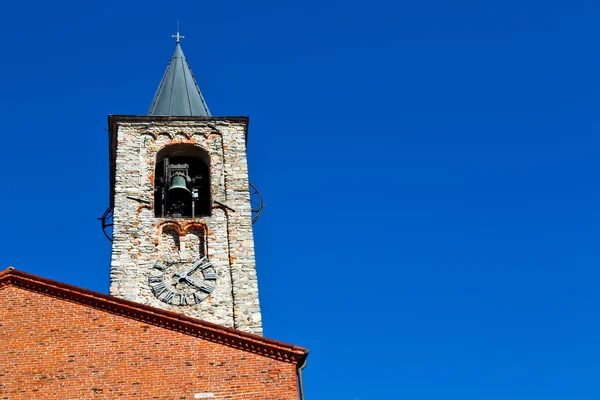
(182, 182)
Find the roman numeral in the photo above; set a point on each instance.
(207, 265)
(197, 299)
(168, 297)
(198, 264)
(155, 279)
(206, 288)
(210, 276)
(159, 266)
(183, 301)
(159, 289)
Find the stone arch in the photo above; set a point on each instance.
(182, 182)
(169, 241)
(194, 238)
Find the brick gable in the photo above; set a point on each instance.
(59, 341)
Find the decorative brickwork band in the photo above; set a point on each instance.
(150, 315)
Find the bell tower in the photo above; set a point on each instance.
(179, 192)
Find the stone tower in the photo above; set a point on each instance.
(182, 236)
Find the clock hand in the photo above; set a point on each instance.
(203, 287)
(183, 275)
(193, 282)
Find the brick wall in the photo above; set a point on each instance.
(58, 349)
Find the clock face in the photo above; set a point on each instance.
(182, 283)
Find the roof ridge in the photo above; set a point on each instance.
(155, 316)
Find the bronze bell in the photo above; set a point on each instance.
(178, 183)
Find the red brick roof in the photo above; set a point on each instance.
(154, 316)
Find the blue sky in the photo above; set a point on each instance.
(429, 168)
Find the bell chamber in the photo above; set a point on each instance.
(182, 182)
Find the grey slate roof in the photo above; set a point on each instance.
(178, 93)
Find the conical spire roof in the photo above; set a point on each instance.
(178, 93)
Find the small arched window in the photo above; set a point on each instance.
(182, 182)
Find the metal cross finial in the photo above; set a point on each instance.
(177, 37)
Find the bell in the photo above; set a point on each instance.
(178, 183)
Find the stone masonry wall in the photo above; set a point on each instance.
(140, 239)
